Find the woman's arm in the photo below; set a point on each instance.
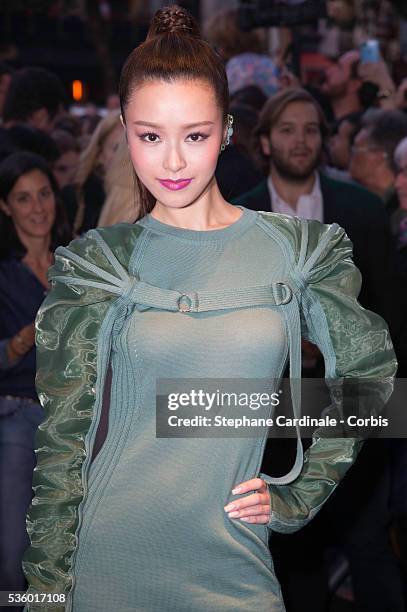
(69, 381)
(13, 349)
(356, 346)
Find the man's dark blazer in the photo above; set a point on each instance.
(363, 217)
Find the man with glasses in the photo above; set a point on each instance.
(372, 156)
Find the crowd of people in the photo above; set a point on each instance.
(337, 153)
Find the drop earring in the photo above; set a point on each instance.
(228, 134)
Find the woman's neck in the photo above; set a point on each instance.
(210, 211)
(38, 248)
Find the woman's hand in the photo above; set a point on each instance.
(21, 343)
(253, 508)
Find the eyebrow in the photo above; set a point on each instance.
(18, 193)
(188, 125)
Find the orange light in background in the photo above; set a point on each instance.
(77, 90)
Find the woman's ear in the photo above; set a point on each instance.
(5, 208)
(124, 126)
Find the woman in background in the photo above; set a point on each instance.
(32, 225)
(85, 199)
(120, 205)
(66, 166)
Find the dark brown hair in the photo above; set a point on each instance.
(11, 169)
(273, 110)
(172, 50)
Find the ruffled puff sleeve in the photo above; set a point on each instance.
(67, 326)
(360, 366)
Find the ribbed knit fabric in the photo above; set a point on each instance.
(142, 527)
(155, 536)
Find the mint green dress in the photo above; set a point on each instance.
(142, 527)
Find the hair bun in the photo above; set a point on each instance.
(173, 19)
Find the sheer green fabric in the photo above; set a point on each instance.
(354, 342)
(67, 328)
(89, 302)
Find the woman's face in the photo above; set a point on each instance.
(174, 131)
(31, 205)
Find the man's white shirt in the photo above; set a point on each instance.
(309, 205)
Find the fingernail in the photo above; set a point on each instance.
(233, 514)
(246, 520)
(229, 507)
(237, 490)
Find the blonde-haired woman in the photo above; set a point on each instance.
(85, 200)
(121, 203)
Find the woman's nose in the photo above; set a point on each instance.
(38, 205)
(174, 159)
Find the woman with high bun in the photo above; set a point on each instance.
(127, 514)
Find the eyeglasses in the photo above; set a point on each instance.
(367, 149)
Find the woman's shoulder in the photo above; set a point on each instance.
(99, 258)
(296, 228)
(312, 243)
(95, 244)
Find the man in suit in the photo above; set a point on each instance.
(290, 137)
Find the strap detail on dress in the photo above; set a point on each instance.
(142, 295)
(304, 243)
(276, 293)
(293, 328)
(316, 254)
(110, 256)
(89, 266)
(88, 283)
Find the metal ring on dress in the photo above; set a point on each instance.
(182, 307)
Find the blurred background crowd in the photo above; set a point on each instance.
(319, 100)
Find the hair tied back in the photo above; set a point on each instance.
(173, 20)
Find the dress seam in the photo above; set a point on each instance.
(137, 254)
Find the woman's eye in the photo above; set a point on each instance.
(151, 137)
(46, 193)
(196, 136)
(147, 137)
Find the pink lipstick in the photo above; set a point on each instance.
(175, 185)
